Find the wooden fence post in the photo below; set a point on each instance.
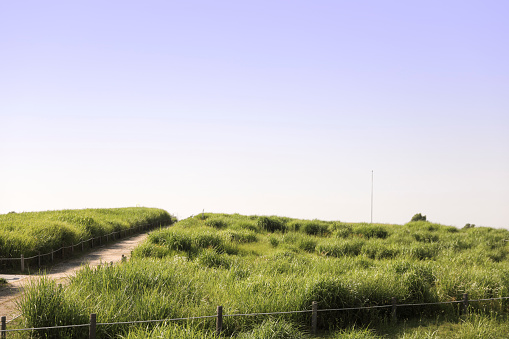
(52, 258)
(39, 259)
(465, 303)
(22, 263)
(314, 317)
(394, 314)
(219, 320)
(4, 327)
(91, 329)
(63, 254)
(82, 245)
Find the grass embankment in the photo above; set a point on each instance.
(32, 232)
(251, 264)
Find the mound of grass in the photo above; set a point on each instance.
(33, 232)
(253, 264)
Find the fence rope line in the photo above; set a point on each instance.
(16, 317)
(265, 313)
(153, 321)
(249, 314)
(355, 308)
(44, 328)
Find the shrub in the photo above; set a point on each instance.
(379, 250)
(44, 303)
(294, 225)
(315, 227)
(242, 237)
(216, 223)
(422, 251)
(342, 231)
(418, 217)
(371, 231)
(274, 329)
(148, 250)
(172, 239)
(307, 245)
(211, 258)
(425, 237)
(271, 224)
(273, 241)
(340, 248)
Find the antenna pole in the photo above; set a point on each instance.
(371, 196)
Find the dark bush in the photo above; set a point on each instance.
(216, 223)
(371, 231)
(315, 227)
(271, 224)
(418, 217)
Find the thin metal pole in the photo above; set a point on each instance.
(371, 196)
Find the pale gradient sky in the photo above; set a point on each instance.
(258, 107)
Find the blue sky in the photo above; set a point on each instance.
(258, 107)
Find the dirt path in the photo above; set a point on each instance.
(63, 269)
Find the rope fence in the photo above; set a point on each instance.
(126, 232)
(92, 325)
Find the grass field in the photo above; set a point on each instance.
(251, 264)
(30, 232)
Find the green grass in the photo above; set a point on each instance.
(250, 264)
(32, 232)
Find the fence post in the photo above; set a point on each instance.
(4, 327)
(394, 314)
(100, 241)
(52, 258)
(314, 317)
(465, 303)
(91, 329)
(63, 255)
(219, 320)
(39, 259)
(82, 245)
(22, 263)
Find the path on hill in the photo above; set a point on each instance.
(63, 269)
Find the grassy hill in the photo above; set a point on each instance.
(29, 232)
(256, 264)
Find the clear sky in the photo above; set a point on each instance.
(258, 107)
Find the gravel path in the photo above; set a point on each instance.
(61, 270)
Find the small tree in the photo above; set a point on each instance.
(418, 217)
(469, 225)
